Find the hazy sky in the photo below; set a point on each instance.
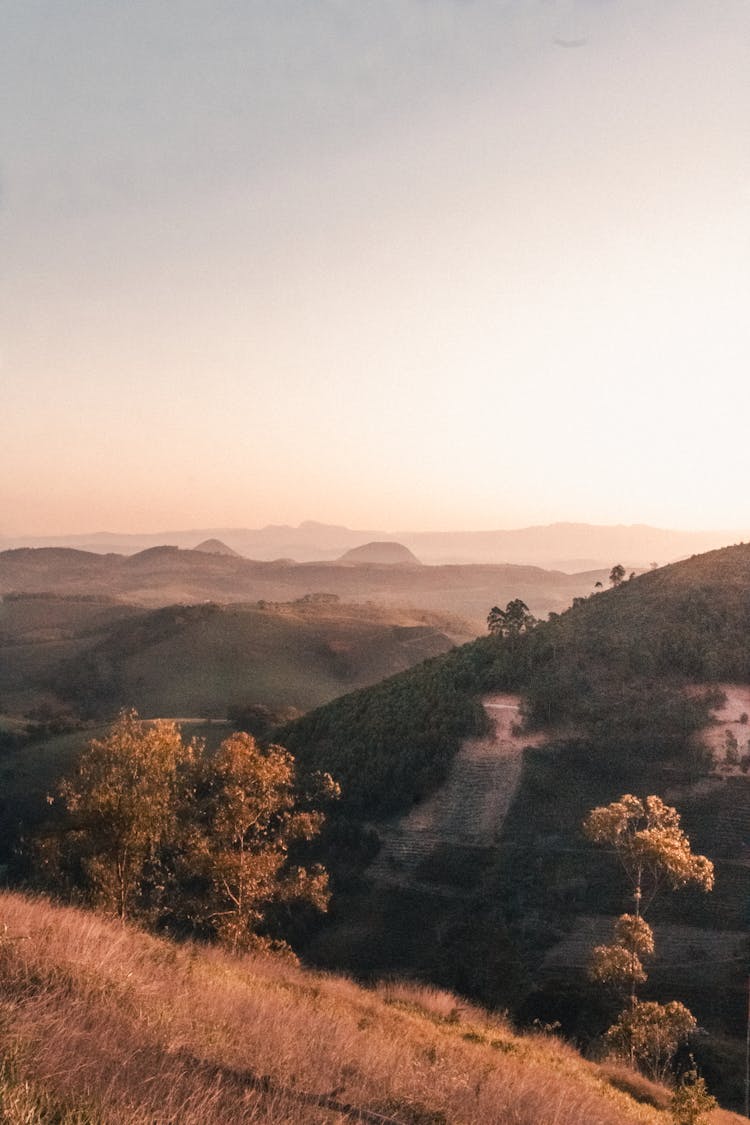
(390, 263)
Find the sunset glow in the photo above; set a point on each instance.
(398, 265)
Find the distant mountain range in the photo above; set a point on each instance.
(166, 575)
(569, 547)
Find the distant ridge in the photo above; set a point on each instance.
(216, 547)
(570, 547)
(381, 553)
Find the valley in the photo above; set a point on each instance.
(455, 852)
(166, 575)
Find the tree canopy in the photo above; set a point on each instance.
(155, 828)
(651, 846)
(653, 850)
(511, 621)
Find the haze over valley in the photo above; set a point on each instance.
(563, 546)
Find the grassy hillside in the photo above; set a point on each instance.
(102, 1023)
(71, 662)
(94, 655)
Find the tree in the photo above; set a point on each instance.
(691, 1100)
(617, 574)
(650, 1034)
(247, 813)
(511, 621)
(651, 846)
(653, 852)
(121, 807)
(496, 620)
(155, 828)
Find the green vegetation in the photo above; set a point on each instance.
(612, 668)
(512, 620)
(653, 851)
(390, 745)
(624, 683)
(89, 658)
(691, 1101)
(151, 827)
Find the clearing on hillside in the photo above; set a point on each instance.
(468, 811)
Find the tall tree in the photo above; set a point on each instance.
(654, 852)
(246, 813)
(121, 806)
(152, 827)
(616, 574)
(512, 620)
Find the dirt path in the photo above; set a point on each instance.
(469, 809)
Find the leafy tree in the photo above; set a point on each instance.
(496, 620)
(153, 828)
(651, 846)
(617, 574)
(121, 807)
(511, 621)
(246, 814)
(650, 1033)
(653, 851)
(691, 1100)
(622, 962)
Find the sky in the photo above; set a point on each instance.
(402, 264)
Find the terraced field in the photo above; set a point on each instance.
(468, 811)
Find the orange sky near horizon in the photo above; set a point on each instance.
(401, 266)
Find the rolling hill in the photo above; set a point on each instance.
(94, 655)
(167, 575)
(559, 546)
(69, 661)
(625, 688)
(382, 554)
(502, 896)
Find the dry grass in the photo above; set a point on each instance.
(103, 1023)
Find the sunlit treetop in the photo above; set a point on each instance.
(650, 844)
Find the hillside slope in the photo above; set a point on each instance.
(106, 1024)
(625, 685)
(382, 553)
(165, 575)
(96, 656)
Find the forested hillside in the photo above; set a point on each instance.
(624, 682)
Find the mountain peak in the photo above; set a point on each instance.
(215, 547)
(382, 553)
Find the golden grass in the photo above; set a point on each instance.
(103, 1023)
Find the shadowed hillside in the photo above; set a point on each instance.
(68, 661)
(624, 684)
